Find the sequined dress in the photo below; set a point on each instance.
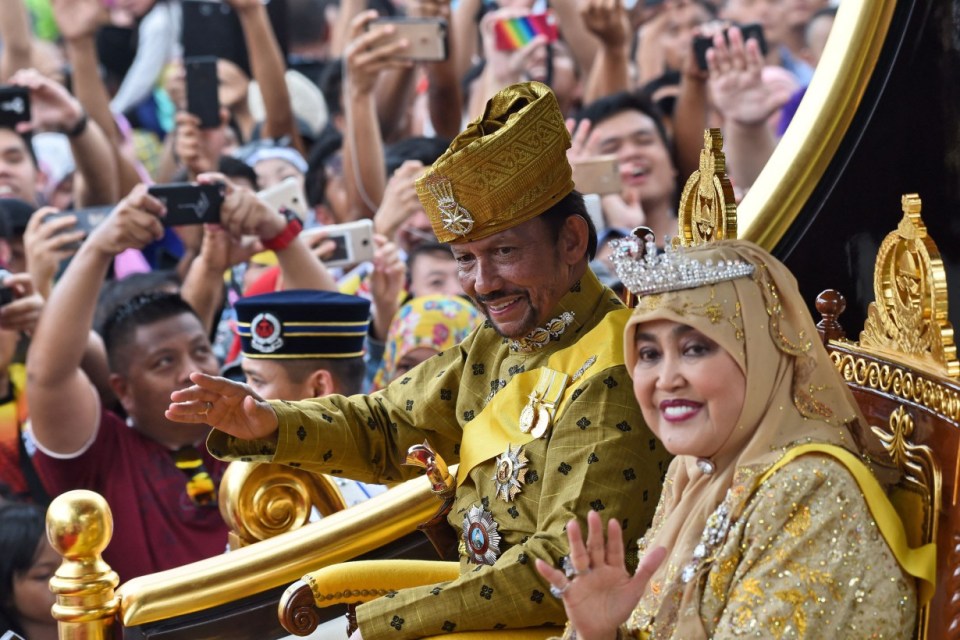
(805, 559)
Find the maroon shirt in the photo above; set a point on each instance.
(155, 524)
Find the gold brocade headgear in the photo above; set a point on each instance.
(506, 167)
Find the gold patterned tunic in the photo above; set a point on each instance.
(598, 454)
(804, 560)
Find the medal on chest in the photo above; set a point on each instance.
(536, 417)
(508, 475)
(480, 536)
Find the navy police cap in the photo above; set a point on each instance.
(301, 324)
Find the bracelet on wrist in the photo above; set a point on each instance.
(79, 127)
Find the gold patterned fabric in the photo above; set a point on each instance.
(508, 166)
(598, 454)
(778, 560)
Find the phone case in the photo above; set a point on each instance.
(14, 105)
(286, 195)
(427, 37)
(203, 99)
(597, 175)
(353, 241)
(513, 33)
(189, 203)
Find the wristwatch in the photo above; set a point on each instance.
(283, 239)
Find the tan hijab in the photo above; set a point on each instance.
(794, 395)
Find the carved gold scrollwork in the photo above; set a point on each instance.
(708, 210)
(261, 500)
(905, 384)
(922, 479)
(909, 314)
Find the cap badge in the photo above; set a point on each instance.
(265, 330)
(453, 216)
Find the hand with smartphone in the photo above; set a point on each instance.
(20, 304)
(372, 48)
(50, 238)
(197, 148)
(33, 102)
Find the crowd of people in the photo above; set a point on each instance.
(138, 357)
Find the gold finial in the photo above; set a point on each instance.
(423, 456)
(909, 314)
(79, 527)
(708, 210)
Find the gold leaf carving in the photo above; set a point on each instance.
(908, 317)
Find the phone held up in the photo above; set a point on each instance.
(515, 33)
(14, 105)
(752, 31)
(600, 174)
(353, 242)
(203, 99)
(188, 203)
(427, 37)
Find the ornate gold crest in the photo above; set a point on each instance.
(708, 209)
(454, 217)
(909, 313)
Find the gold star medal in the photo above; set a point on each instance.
(507, 478)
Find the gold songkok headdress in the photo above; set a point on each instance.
(644, 271)
(506, 167)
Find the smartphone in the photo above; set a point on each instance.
(353, 240)
(600, 174)
(286, 195)
(87, 219)
(189, 203)
(14, 105)
(203, 98)
(211, 28)
(752, 31)
(6, 293)
(427, 37)
(514, 33)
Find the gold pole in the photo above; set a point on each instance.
(79, 527)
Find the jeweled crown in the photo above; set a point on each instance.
(644, 271)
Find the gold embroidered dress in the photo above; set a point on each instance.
(597, 454)
(776, 540)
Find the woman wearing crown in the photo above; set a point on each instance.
(770, 524)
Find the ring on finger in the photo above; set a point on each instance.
(557, 592)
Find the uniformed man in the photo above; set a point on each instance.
(302, 343)
(535, 405)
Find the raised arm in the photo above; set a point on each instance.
(15, 34)
(64, 407)
(78, 21)
(54, 109)
(267, 65)
(363, 165)
(610, 73)
(746, 103)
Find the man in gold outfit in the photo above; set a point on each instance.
(535, 405)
